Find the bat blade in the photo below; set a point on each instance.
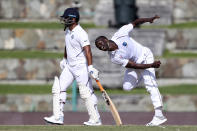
(113, 109)
(111, 105)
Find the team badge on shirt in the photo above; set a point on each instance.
(124, 43)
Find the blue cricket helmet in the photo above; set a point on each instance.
(71, 13)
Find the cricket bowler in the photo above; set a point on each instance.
(138, 61)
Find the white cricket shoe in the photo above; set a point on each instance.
(157, 120)
(52, 120)
(93, 123)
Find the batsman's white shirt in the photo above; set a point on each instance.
(75, 40)
(76, 68)
(129, 49)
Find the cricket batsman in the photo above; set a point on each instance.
(138, 61)
(76, 64)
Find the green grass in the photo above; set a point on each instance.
(168, 54)
(57, 25)
(100, 128)
(46, 89)
(30, 25)
(174, 90)
(186, 25)
(40, 25)
(26, 89)
(4, 54)
(179, 89)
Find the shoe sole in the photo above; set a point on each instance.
(91, 125)
(159, 123)
(162, 122)
(52, 123)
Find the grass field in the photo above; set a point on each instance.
(40, 25)
(186, 25)
(31, 54)
(101, 128)
(46, 89)
(168, 54)
(57, 25)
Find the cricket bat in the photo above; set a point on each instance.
(111, 105)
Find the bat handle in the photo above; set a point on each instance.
(99, 84)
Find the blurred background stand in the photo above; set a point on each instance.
(125, 12)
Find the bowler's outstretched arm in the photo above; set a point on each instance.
(144, 20)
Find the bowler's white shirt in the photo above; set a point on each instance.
(75, 40)
(128, 48)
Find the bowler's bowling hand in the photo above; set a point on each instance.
(156, 64)
(153, 18)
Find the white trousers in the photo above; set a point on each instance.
(79, 73)
(134, 77)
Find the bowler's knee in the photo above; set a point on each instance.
(127, 86)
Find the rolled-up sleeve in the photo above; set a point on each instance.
(83, 38)
(124, 30)
(117, 59)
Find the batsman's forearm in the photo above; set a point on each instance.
(89, 58)
(88, 54)
(138, 66)
(65, 54)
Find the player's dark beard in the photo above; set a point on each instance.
(68, 25)
(67, 22)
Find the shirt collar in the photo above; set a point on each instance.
(73, 30)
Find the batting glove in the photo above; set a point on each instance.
(63, 63)
(93, 72)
